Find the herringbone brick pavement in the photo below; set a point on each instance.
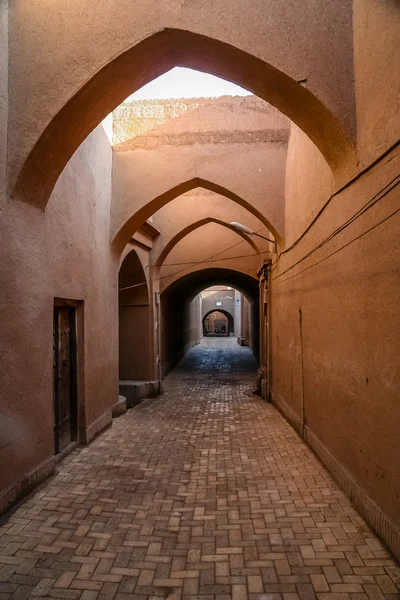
(205, 493)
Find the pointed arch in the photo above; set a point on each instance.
(138, 218)
(226, 313)
(135, 320)
(192, 227)
(152, 57)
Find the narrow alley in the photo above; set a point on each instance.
(203, 493)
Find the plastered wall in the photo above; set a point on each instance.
(335, 318)
(95, 33)
(236, 143)
(3, 100)
(62, 253)
(308, 184)
(376, 26)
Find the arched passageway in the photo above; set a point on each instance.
(150, 58)
(181, 323)
(218, 321)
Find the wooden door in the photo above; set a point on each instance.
(65, 405)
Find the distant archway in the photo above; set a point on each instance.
(230, 322)
(150, 58)
(176, 301)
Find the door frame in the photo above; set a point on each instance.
(77, 355)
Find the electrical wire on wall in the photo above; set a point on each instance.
(349, 183)
(365, 208)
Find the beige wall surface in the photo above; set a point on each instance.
(309, 184)
(254, 175)
(135, 318)
(376, 57)
(63, 253)
(134, 343)
(343, 366)
(227, 303)
(3, 100)
(221, 251)
(149, 123)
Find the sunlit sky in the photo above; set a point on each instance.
(186, 83)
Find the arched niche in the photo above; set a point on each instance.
(135, 355)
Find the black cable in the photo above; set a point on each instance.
(201, 262)
(374, 200)
(338, 191)
(274, 264)
(342, 247)
(212, 259)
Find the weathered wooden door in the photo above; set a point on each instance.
(65, 405)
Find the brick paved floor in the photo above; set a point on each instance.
(205, 493)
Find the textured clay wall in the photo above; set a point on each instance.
(376, 25)
(134, 343)
(43, 81)
(192, 325)
(308, 185)
(335, 319)
(138, 124)
(227, 304)
(63, 252)
(3, 98)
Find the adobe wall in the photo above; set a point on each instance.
(376, 25)
(192, 327)
(308, 184)
(149, 123)
(241, 147)
(42, 82)
(135, 319)
(3, 100)
(335, 322)
(63, 253)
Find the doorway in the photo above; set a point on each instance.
(65, 377)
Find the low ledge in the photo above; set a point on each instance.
(20, 489)
(370, 511)
(98, 426)
(135, 391)
(119, 408)
(27, 484)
